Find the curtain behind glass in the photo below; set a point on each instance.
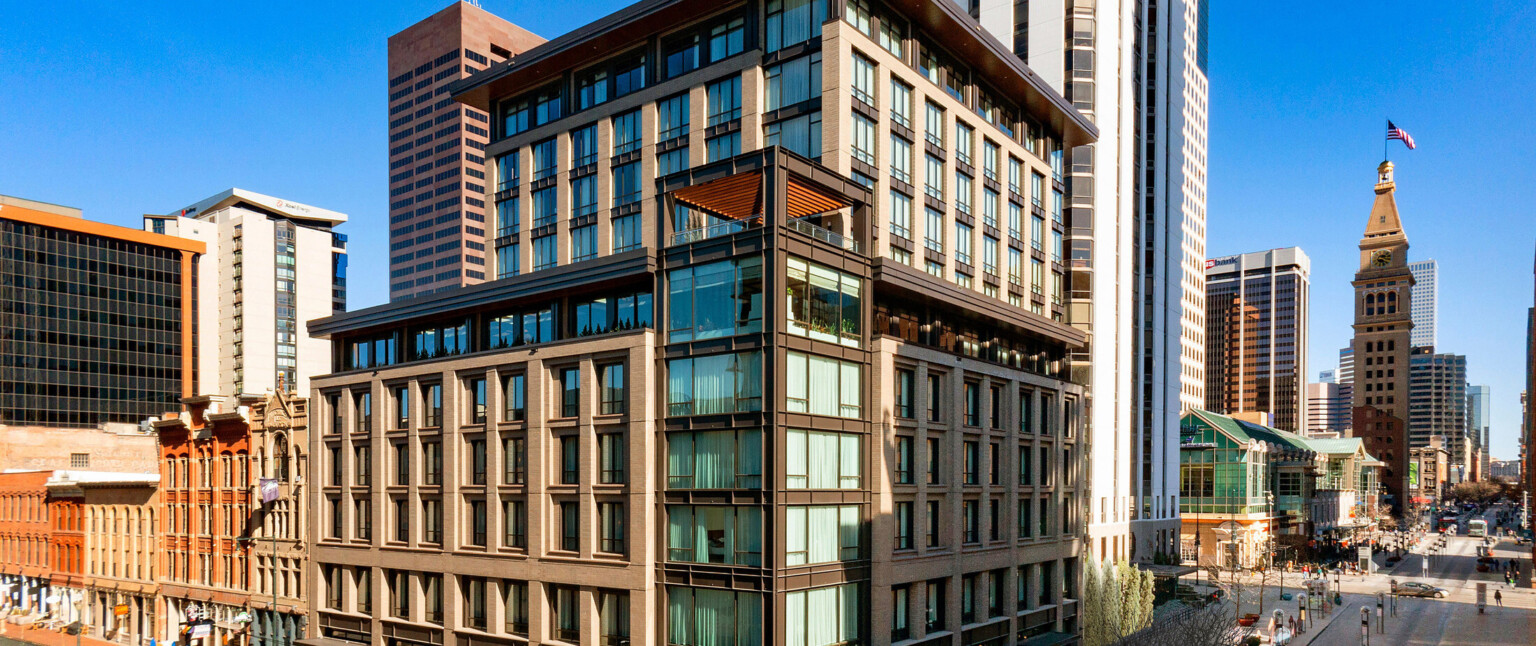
(714, 616)
(849, 463)
(795, 459)
(821, 614)
(795, 619)
(823, 385)
(679, 614)
(796, 387)
(715, 453)
(849, 596)
(749, 619)
(823, 460)
(749, 536)
(712, 385)
(849, 400)
(680, 460)
(823, 538)
(795, 520)
(749, 459)
(680, 387)
(680, 545)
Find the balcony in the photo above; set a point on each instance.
(837, 240)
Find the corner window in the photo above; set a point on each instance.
(721, 534)
(823, 460)
(731, 459)
(715, 300)
(821, 534)
(822, 386)
(824, 303)
(725, 383)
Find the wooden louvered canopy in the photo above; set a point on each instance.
(740, 197)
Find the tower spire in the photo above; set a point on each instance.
(1384, 220)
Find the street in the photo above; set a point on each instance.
(1452, 620)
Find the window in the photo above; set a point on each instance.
(901, 169)
(994, 520)
(901, 620)
(431, 520)
(903, 525)
(535, 109)
(509, 260)
(823, 460)
(583, 146)
(801, 135)
(399, 583)
(363, 509)
(626, 233)
(731, 459)
(935, 391)
(864, 79)
(626, 184)
(964, 235)
(933, 231)
(963, 192)
(864, 140)
(901, 215)
(364, 412)
(546, 159)
(515, 521)
(903, 463)
(1026, 470)
(402, 464)
(474, 602)
(613, 617)
(508, 170)
(570, 392)
(432, 398)
(515, 398)
(363, 578)
(515, 594)
(584, 195)
(672, 117)
(905, 386)
(715, 300)
(477, 413)
(901, 103)
(477, 461)
(823, 386)
(934, 612)
(722, 147)
(792, 22)
(610, 520)
(610, 447)
(402, 407)
(823, 303)
(727, 39)
(933, 131)
(565, 613)
(933, 180)
(708, 617)
(680, 55)
(722, 534)
(824, 616)
(821, 534)
(476, 521)
(724, 383)
(432, 463)
(724, 99)
(792, 82)
(570, 450)
(934, 463)
(972, 466)
(362, 465)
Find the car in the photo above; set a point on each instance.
(1416, 589)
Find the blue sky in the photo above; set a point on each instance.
(125, 109)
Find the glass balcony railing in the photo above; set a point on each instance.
(716, 230)
(824, 235)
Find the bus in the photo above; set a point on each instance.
(1477, 528)
(1446, 524)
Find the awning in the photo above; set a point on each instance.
(739, 197)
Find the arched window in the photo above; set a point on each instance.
(280, 457)
(1370, 304)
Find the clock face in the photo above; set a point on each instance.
(1381, 258)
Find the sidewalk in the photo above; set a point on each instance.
(50, 637)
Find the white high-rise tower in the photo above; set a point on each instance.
(1426, 301)
(1137, 68)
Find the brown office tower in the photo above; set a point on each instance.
(437, 148)
(1381, 345)
(776, 354)
(1256, 336)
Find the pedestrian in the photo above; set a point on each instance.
(1498, 598)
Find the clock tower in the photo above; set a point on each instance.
(1383, 323)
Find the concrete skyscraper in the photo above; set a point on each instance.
(1138, 71)
(1380, 346)
(1426, 301)
(1437, 406)
(251, 301)
(437, 171)
(1327, 410)
(1256, 335)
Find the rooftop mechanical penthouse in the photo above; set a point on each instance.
(620, 439)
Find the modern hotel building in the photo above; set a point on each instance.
(620, 439)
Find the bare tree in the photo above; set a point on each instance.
(1211, 625)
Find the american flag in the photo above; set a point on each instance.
(1394, 132)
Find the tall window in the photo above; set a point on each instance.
(399, 582)
(965, 143)
(477, 394)
(933, 130)
(709, 617)
(723, 534)
(403, 464)
(565, 613)
(515, 522)
(626, 233)
(903, 525)
(515, 617)
(972, 462)
(823, 303)
(584, 195)
(672, 117)
(791, 22)
(822, 616)
(934, 613)
(793, 82)
(613, 617)
(476, 522)
(432, 463)
(570, 446)
(364, 412)
(715, 300)
(823, 386)
(546, 159)
(823, 460)
(905, 393)
(474, 602)
(584, 146)
(801, 135)
(730, 459)
(935, 520)
(964, 235)
(901, 215)
(821, 534)
(610, 448)
(864, 79)
(570, 392)
(901, 103)
(515, 398)
(863, 139)
(626, 184)
(903, 470)
(933, 177)
(508, 170)
(724, 99)
(402, 399)
(432, 400)
(610, 520)
(901, 166)
(431, 520)
(723, 383)
(570, 526)
(477, 462)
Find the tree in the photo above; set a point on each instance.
(1094, 630)
(1112, 603)
(1211, 625)
(1117, 601)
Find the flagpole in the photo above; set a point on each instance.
(1384, 143)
